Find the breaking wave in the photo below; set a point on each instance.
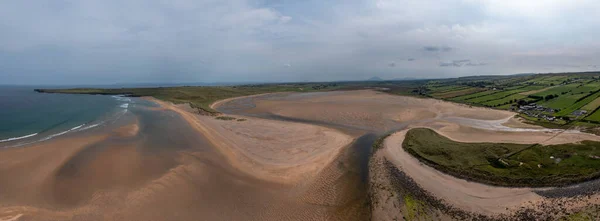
(18, 138)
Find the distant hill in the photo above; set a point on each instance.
(406, 79)
(375, 79)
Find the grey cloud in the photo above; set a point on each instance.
(460, 63)
(219, 40)
(476, 64)
(437, 48)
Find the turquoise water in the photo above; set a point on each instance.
(27, 116)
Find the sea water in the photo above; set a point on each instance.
(28, 117)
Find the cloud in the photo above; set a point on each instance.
(437, 48)
(108, 41)
(392, 64)
(461, 63)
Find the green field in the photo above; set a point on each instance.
(594, 116)
(592, 105)
(506, 164)
(502, 94)
(474, 95)
(557, 90)
(505, 101)
(446, 88)
(563, 101)
(456, 93)
(578, 105)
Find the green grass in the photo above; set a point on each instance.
(504, 101)
(448, 88)
(592, 105)
(562, 102)
(415, 209)
(557, 90)
(492, 97)
(496, 96)
(456, 93)
(225, 118)
(586, 215)
(474, 95)
(594, 116)
(488, 162)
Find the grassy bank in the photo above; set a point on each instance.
(535, 165)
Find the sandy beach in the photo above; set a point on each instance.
(281, 156)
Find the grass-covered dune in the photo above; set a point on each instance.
(198, 97)
(506, 164)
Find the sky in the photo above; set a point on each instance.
(174, 41)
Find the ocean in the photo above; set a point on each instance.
(27, 117)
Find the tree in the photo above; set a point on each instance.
(522, 102)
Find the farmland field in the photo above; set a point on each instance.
(592, 105)
(562, 101)
(505, 100)
(557, 90)
(474, 95)
(503, 94)
(594, 117)
(456, 93)
(448, 88)
(578, 105)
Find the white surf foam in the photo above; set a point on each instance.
(75, 128)
(121, 98)
(66, 131)
(91, 126)
(18, 138)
